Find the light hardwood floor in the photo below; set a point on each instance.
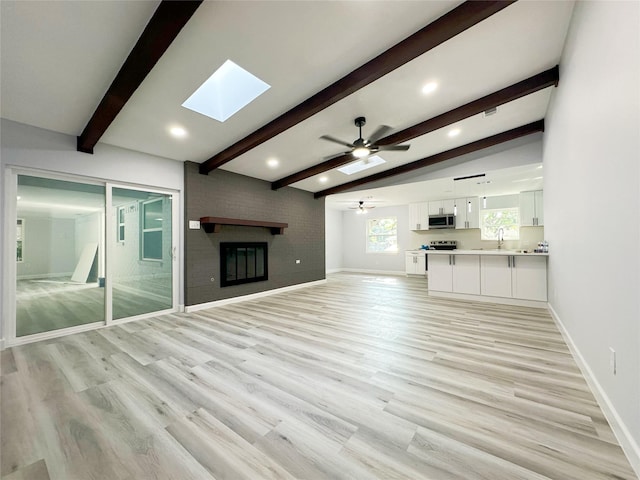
(364, 378)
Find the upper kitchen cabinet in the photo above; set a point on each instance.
(441, 207)
(419, 216)
(467, 212)
(531, 212)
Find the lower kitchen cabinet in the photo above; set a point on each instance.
(415, 263)
(514, 276)
(455, 273)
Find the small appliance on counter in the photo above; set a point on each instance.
(443, 245)
(543, 247)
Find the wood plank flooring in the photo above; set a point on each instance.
(45, 304)
(364, 377)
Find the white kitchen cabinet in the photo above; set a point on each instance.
(495, 275)
(466, 274)
(531, 210)
(415, 263)
(514, 276)
(468, 212)
(441, 207)
(419, 216)
(440, 273)
(529, 277)
(455, 273)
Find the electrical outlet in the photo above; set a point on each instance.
(213, 279)
(298, 261)
(612, 360)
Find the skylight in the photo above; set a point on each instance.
(224, 93)
(363, 164)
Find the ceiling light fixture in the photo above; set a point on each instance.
(361, 152)
(178, 132)
(484, 202)
(429, 88)
(273, 163)
(323, 179)
(454, 133)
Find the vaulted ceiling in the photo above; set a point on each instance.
(327, 63)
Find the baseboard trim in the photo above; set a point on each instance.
(251, 296)
(485, 299)
(37, 276)
(397, 273)
(620, 430)
(333, 270)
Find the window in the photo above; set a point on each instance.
(382, 235)
(492, 220)
(151, 231)
(20, 240)
(121, 224)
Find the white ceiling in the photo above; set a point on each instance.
(58, 59)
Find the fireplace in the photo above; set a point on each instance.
(243, 263)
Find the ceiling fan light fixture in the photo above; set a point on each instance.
(361, 152)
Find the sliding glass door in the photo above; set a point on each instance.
(142, 252)
(89, 253)
(59, 254)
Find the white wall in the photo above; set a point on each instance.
(592, 173)
(333, 240)
(56, 260)
(30, 147)
(354, 232)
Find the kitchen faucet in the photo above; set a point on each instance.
(500, 237)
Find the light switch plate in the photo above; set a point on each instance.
(194, 224)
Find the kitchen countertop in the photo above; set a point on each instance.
(484, 252)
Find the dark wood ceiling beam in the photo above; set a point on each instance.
(513, 92)
(503, 137)
(162, 29)
(439, 31)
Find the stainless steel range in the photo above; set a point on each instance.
(443, 244)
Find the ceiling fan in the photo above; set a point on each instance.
(360, 208)
(361, 148)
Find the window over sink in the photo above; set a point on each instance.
(493, 219)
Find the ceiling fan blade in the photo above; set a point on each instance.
(331, 157)
(337, 140)
(400, 148)
(380, 132)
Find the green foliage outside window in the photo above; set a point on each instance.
(491, 220)
(382, 235)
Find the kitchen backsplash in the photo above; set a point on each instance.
(470, 239)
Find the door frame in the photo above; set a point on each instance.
(8, 326)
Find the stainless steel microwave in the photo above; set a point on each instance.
(442, 221)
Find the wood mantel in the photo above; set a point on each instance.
(213, 224)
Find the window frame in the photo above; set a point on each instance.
(120, 232)
(144, 230)
(369, 235)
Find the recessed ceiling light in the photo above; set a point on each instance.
(273, 163)
(224, 93)
(539, 167)
(178, 132)
(323, 179)
(428, 88)
(454, 133)
(363, 164)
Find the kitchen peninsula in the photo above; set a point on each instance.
(498, 276)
